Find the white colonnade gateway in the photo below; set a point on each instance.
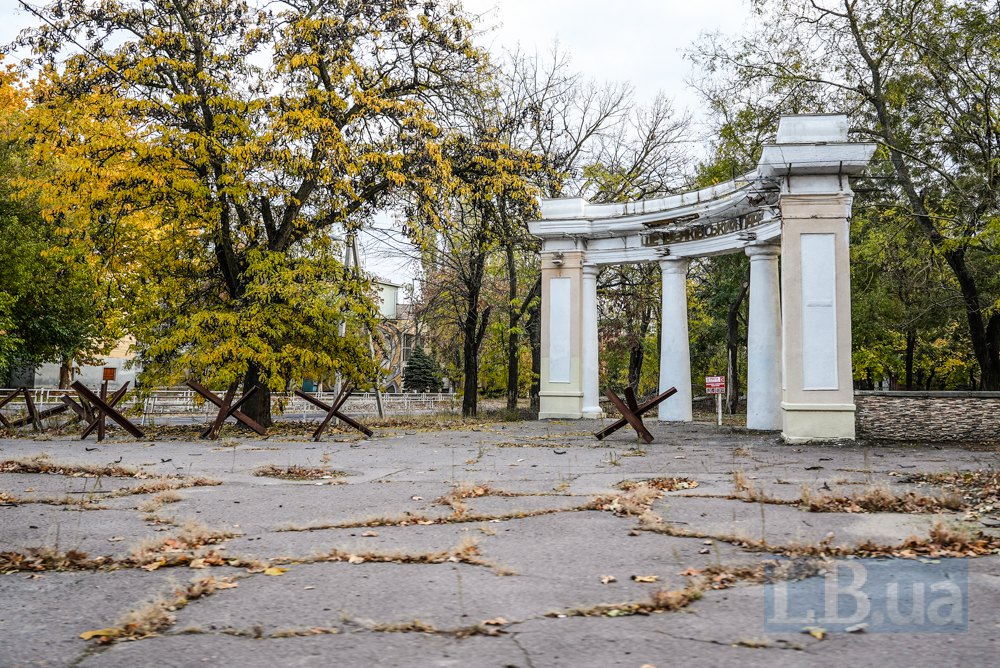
(796, 204)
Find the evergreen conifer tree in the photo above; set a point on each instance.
(421, 373)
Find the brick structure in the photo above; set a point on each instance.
(929, 416)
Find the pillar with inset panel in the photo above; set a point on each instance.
(561, 381)
(813, 161)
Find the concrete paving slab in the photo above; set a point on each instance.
(779, 524)
(391, 650)
(96, 532)
(559, 558)
(42, 617)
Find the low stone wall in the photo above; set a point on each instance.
(929, 416)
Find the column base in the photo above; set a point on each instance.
(593, 413)
(677, 413)
(806, 423)
(560, 405)
(764, 422)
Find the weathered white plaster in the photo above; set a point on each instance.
(764, 340)
(591, 370)
(675, 354)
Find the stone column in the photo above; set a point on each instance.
(675, 355)
(818, 394)
(812, 162)
(588, 321)
(764, 340)
(561, 383)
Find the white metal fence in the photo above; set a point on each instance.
(186, 403)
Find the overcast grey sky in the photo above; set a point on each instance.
(640, 41)
(635, 40)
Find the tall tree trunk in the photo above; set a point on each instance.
(637, 354)
(733, 343)
(535, 336)
(470, 367)
(257, 407)
(473, 330)
(65, 373)
(911, 344)
(513, 339)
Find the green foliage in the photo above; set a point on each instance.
(49, 304)
(422, 373)
(918, 78)
(212, 149)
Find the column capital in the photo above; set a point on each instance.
(591, 269)
(674, 265)
(763, 251)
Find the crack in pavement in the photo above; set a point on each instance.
(524, 650)
(782, 644)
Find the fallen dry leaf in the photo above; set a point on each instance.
(815, 631)
(369, 534)
(153, 566)
(606, 579)
(275, 570)
(646, 578)
(227, 585)
(496, 621)
(355, 559)
(100, 633)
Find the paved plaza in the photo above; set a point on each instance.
(524, 544)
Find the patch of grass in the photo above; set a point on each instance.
(466, 552)
(87, 502)
(423, 520)
(47, 559)
(456, 497)
(636, 500)
(880, 499)
(412, 626)
(178, 548)
(306, 632)
(745, 490)
(158, 501)
(294, 472)
(661, 600)
(663, 484)
(943, 540)
(157, 615)
(43, 464)
(980, 489)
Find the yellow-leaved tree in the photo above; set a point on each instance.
(212, 150)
